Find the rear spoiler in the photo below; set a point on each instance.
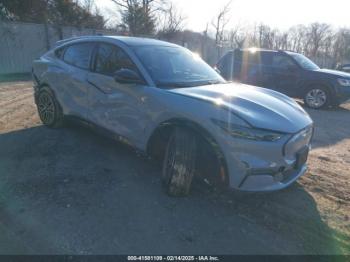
(61, 42)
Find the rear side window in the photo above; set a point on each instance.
(111, 58)
(59, 52)
(266, 58)
(282, 62)
(79, 55)
(256, 58)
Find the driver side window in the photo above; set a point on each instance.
(110, 58)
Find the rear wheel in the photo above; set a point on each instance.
(317, 97)
(179, 164)
(49, 110)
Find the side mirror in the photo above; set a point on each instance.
(128, 76)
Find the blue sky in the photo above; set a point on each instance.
(276, 13)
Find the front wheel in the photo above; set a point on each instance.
(317, 98)
(179, 164)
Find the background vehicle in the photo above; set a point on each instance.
(162, 99)
(287, 72)
(344, 68)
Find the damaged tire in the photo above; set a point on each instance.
(179, 164)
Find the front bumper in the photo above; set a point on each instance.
(272, 181)
(342, 94)
(266, 166)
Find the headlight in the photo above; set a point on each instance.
(344, 82)
(247, 132)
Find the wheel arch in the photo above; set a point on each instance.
(45, 85)
(317, 83)
(168, 125)
(308, 84)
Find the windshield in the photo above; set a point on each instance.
(176, 67)
(303, 61)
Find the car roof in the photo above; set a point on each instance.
(262, 50)
(253, 49)
(127, 40)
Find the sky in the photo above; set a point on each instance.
(281, 14)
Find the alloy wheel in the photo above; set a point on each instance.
(46, 108)
(316, 98)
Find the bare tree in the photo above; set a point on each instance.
(297, 38)
(219, 23)
(232, 34)
(236, 36)
(173, 21)
(316, 34)
(267, 36)
(88, 5)
(341, 45)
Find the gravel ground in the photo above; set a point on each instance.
(71, 191)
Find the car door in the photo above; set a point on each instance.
(283, 75)
(72, 80)
(117, 107)
(251, 68)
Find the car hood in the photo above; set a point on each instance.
(260, 107)
(333, 73)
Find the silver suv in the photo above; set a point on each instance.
(164, 100)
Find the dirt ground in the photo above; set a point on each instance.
(71, 191)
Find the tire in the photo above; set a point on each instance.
(49, 110)
(179, 164)
(317, 97)
(211, 169)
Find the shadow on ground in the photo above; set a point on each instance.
(70, 191)
(331, 125)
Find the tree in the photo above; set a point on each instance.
(297, 38)
(237, 37)
(341, 45)
(139, 15)
(5, 15)
(26, 11)
(316, 35)
(56, 12)
(173, 21)
(219, 23)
